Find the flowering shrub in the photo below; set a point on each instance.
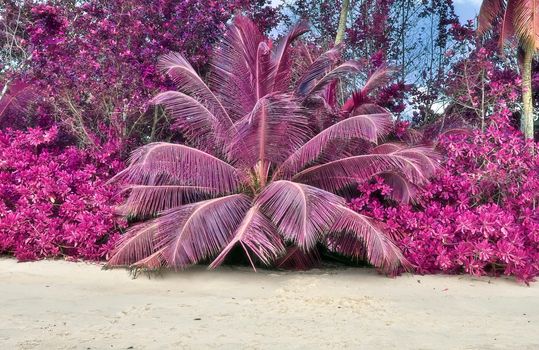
(94, 61)
(478, 216)
(53, 200)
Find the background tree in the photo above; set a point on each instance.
(94, 61)
(411, 35)
(342, 22)
(516, 19)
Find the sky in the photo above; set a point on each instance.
(467, 9)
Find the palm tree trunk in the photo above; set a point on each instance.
(526, 121)
(342, 22)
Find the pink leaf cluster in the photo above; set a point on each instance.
(478, 215)
(54, 201)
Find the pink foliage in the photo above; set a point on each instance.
(96, 61)
(54, 201)
(478, 216)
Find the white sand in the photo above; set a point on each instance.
(62, 305)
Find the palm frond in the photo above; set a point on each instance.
(189, 82)
(378, 79)
(234, 67)
(517, 18)
(201, 230)
(367, 127)
(164, 163)
(265, 71)
(274, 128)
(339, 72)
(281, 56)
(402, 190)
(184, 235)
(360, 98)
(301, 213)
(425, 158)
(387, 148)
(136, 244)
(199, 125)
(336, 175)
(490, 10)
(526, 22)
(356, 235)
(146, 200)
(507, 29)
(154, 261)
(256, 234)
(320, 67)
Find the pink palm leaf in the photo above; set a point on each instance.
(358, 236)
(302, 213)
(189, 82)
(519, 19)
(360, 97)
(257, 234)
(164, 163)
(368, 127)
(281, 56)
(336, 175)
(273, 129)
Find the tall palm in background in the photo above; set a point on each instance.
(266, 165)
(517, 19)
(345, 7)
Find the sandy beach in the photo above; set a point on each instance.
(63, 305)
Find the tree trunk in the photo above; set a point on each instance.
(342, 22)
(526, 120)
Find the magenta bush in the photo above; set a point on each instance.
(478, 216)
(54, 201)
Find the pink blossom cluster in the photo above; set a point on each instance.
(54, 200)
(479, 214)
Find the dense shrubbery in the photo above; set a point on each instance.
(478, 215)
(54, 200)
(82, 74)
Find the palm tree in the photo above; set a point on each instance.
(345, 7)
(518, 19)
(263, 169)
